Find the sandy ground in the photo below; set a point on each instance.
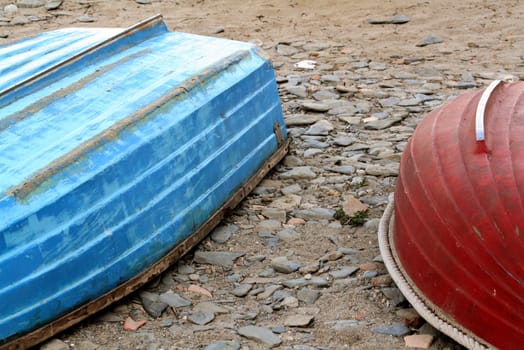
(478, 35)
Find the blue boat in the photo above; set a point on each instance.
(120, 149)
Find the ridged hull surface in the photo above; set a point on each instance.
(459, 215)
(117, 157)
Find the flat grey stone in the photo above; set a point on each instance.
(201, 318)
(143, 2)
(288, 235)
(301, 119)
(320, 128)
(174, 300)
(399, 19)
(185, 269)
(380, 170)
(152, 303)
(224, 259)
(394, 295)
(283, 265)
(53, 4)
(342, 325)
(260, 334)
(430, 40)
(19, 20)
(86, 345)
(86, 19)
(299, 173)
(298, 320)
(54, 344)
(315, 107)
(223, 233)
(308, 296)
(382, 124)
(223, 345)
(343, 140)
(342, 169)
(210, 307)
(397, 329)
(315, 214)
(29, 3)
(268, 291)
(242, 290)
(299, 91)
(316, 46)
(295, 283)
(286, 50)
(343, 272)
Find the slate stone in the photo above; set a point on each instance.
(298, 320)
(299, 173)
(308, 296)
(320, 128)
(201, 318)
(223, 233)
(397, 329)
(301, 119)
(399, 19)
(86, 19)
(210, 307)
(174, 300)
(283, 265)
(224, 259)
(430, 40)
(242, 290)
(29, 3)
(152, 303)
(343, 272)
(315, 107)
(315, 214)
(260, 334)
(286, 50)
(223, 345)
(53, 4)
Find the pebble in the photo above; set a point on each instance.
(260, 334)
(399, 19)
(308, 296)
(343, 325)
(315, 107)
(174, 300)
(143, 2)
(152, 303)
(397, 330)
(283, 265)
(201, 318)
(242, 290)
(343, 272)
(298, 320)
(299, 173)
(86, 19)
(430, 40)
(315, 214)
(419, 341)
(10, 10)
(320, 128)
(54, 344)
(86, 345)
(301, 120)
(223, 233)
(224, 259)
(29, 3)
(223, 345)
(53, 4)
(19, 20)
(210, 307)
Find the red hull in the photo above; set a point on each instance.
(459, 215)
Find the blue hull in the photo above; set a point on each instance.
(117, 147)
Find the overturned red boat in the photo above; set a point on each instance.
(454, 239)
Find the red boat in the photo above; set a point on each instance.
(453, 240)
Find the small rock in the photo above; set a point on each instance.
(54, 344)
(315, 107)
(295, 283)
(298, 320)
(343, 272)
(380, 170)
(288, 234)
(29, 3)
(143, 2)
(53, 4)
(283, 265)
(301, 119)
(260, 334)
(419, 341)
(399, 19)
(19, 20)
(86, 19)
(210, 307)
(342, 325)
(223, 233)
(394, 295)
(201, 318)
(268, 291)
(242, 290)
(430, 40)
(352, 206)
(86, 345)
(4, 35)
(10, 10)
(315, 214)
(397, 330)
(332, 256)
(224, 259)
(174, 300)
(286, 50)
(223, 345)
(299, 173)
(320, 128)
(152, 303)
(308, 296)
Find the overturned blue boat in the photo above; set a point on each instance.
(119, 151)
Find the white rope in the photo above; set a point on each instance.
(386, 224)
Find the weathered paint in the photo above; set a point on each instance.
(154, 133)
